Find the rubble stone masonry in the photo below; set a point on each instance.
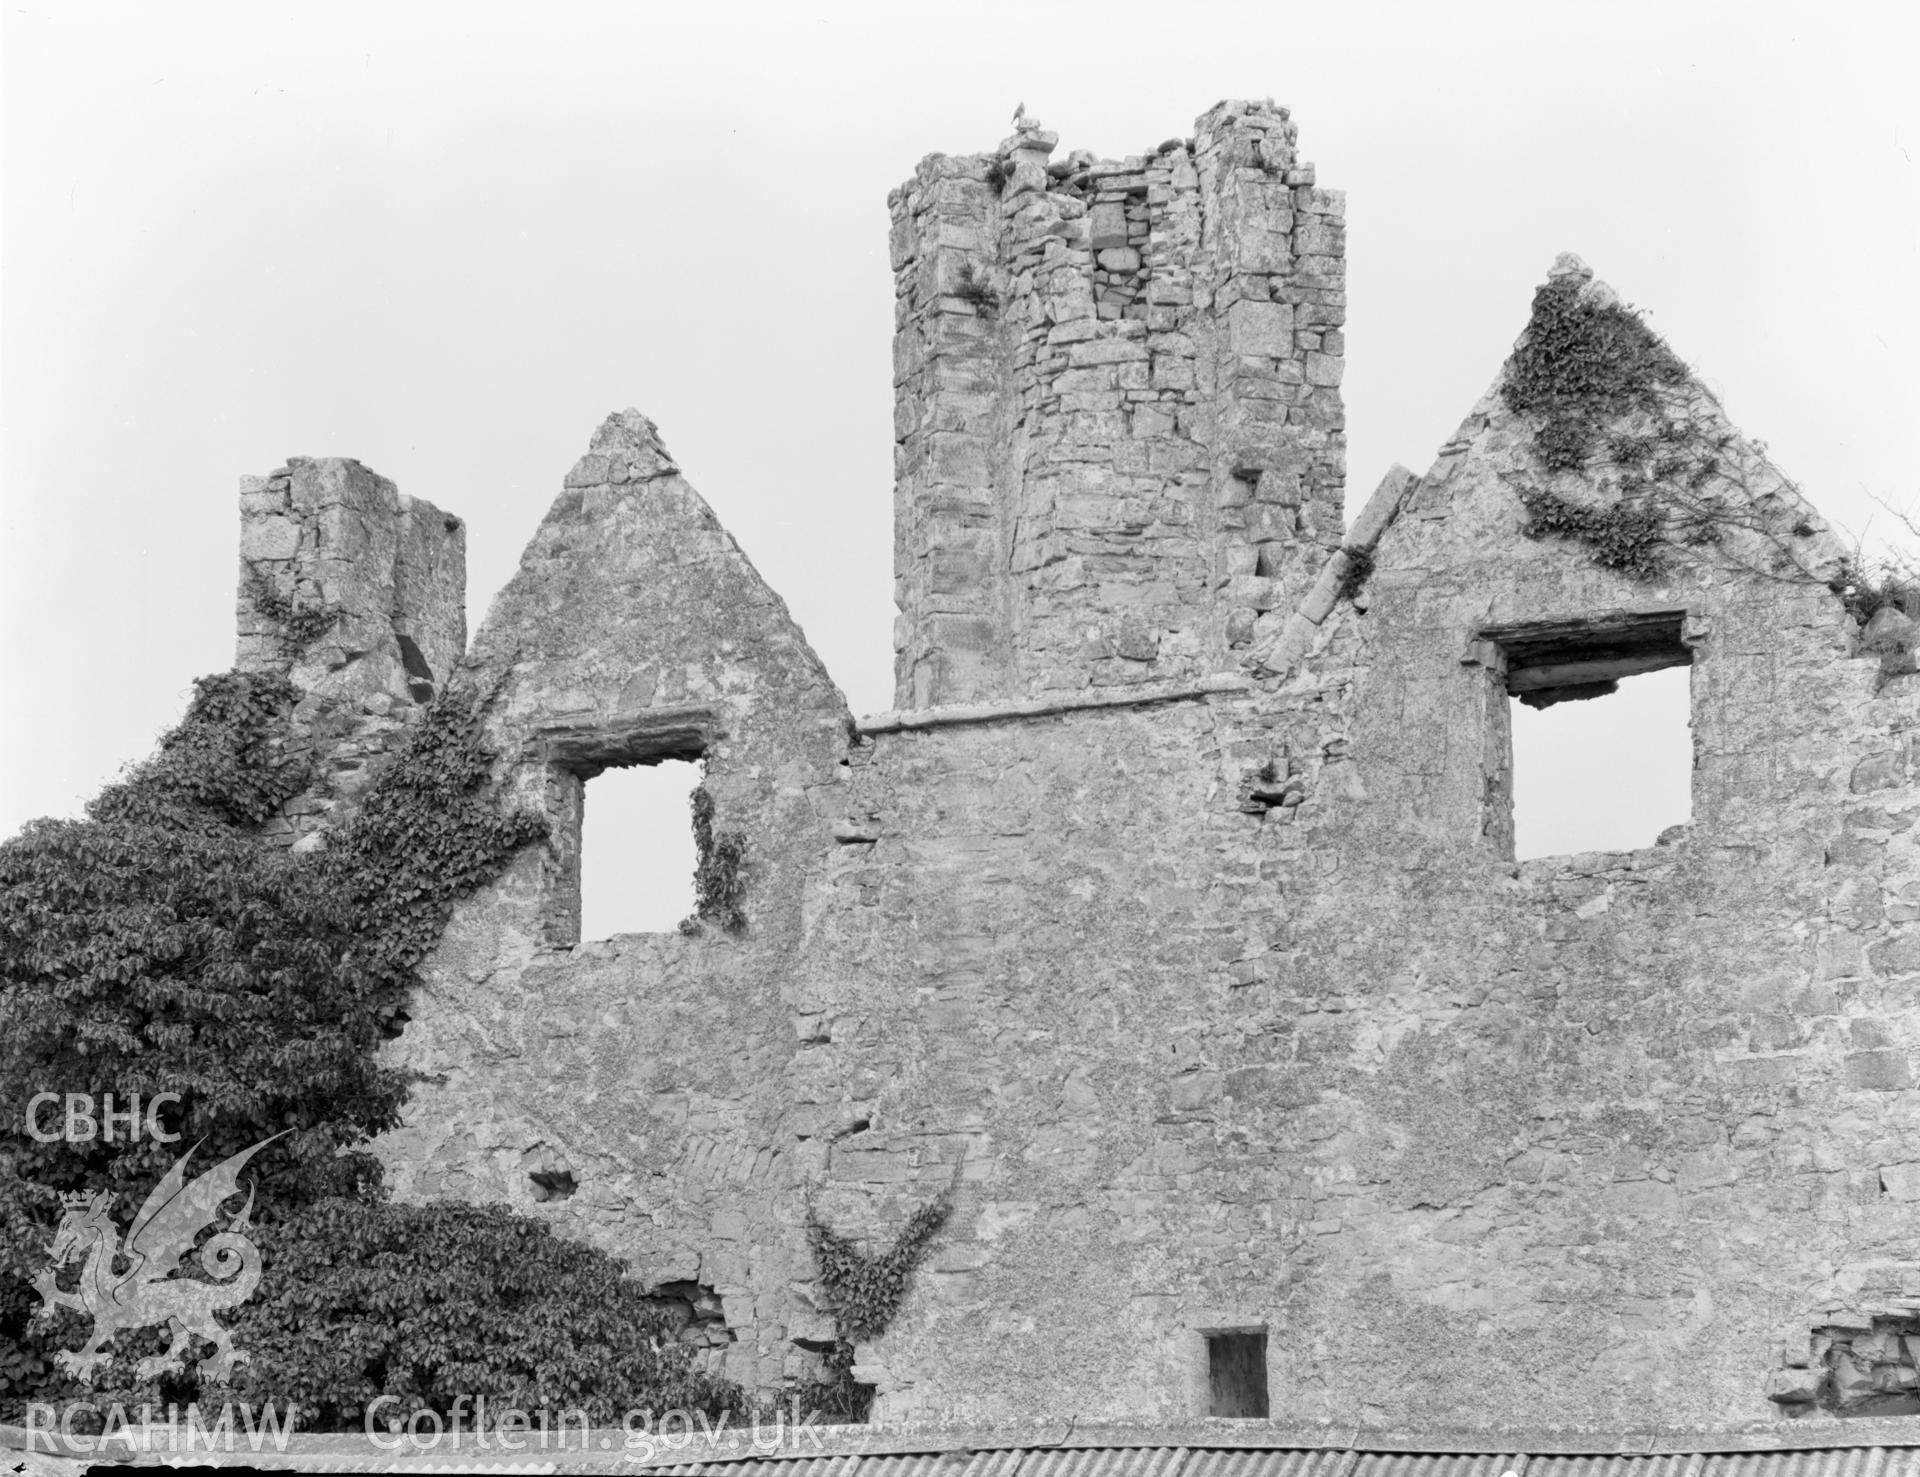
(1174, 908)
(1120, 442)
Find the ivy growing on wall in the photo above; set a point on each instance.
(866, 1292)
(164, 944)
(719, 890)
(299, 624)
(1359, 571)
(428, 833)
(972, 288)
(1618, 536)
(1605, 395)
(1581, 365)
(167, 943)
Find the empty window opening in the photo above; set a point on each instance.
(1612, 775)
(1237, 1374)
(636, 849)
(1602, 748)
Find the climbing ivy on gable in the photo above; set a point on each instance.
(1620, 536)
(1606, 396)
(1580, 365)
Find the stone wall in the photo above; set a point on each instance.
(1201, 966)
(1120, 438)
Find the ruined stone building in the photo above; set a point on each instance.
(1170, 919)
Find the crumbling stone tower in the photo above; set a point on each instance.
(1120, 443)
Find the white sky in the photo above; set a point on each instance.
(448, 239)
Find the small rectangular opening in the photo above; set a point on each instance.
(637, 855)
(1601, 747)
(1237, 1374)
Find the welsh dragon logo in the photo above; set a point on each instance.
(145, 1293)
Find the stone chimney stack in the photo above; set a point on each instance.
(1120, 445)
(357, 593)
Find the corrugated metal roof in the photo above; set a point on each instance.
(1873, 1461)
(835, 1464)
(1243, 1449)
(1002, 1463)
(1439, 1464)
(933, 1464)
(1663, 1464)
(1256, 1463)
(1102, 1461)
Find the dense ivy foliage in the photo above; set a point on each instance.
(1359, 571)
(1582, 368)
(1581, 364)
(866, 1292)
(427, 834)
(719, 891)
(1630, 538)
(430, 1303)
(164, 944)
(298, 625)
(222, 767)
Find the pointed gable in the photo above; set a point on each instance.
(1596, 516)
(631, 595)
(1599, 454)
(636, 631)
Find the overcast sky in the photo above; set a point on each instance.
(448, 239)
